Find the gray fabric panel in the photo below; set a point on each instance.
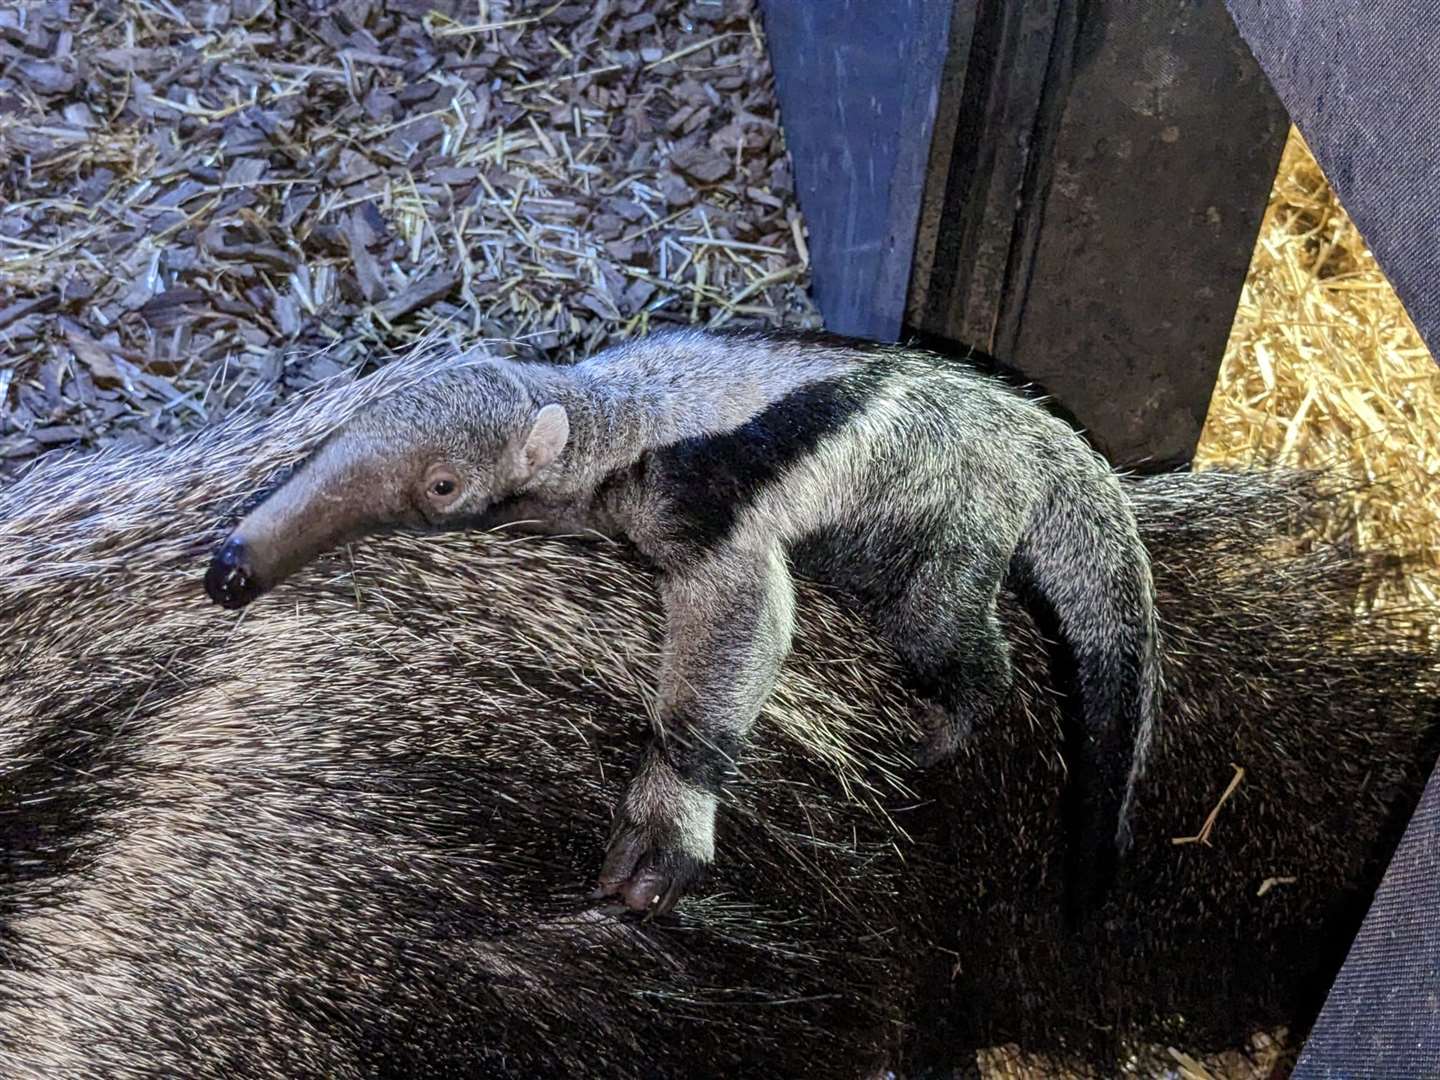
(1382, 1018)
(1362, 83)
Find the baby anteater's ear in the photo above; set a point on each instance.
(544, 442)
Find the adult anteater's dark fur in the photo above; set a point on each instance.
(351, 835)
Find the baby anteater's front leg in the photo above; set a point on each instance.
(729, 622)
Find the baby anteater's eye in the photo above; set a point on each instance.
(442, 486)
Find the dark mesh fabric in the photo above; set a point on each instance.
(1362, 83)
(1382, 1018)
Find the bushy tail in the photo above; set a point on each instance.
(1083, 562)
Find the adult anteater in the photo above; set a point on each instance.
(352, 835)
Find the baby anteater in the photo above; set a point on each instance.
(913, 483)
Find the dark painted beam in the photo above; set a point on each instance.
(1096, 187)
(858, 82)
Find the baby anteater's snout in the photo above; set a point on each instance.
(231, 581)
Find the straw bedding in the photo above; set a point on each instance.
(1325, 369)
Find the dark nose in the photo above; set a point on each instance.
(230, 581)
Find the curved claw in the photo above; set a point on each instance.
(647, 878)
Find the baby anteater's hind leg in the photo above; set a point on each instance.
(962, 688)
(944, 625)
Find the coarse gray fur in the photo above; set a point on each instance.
(349, 835)
(917, 484)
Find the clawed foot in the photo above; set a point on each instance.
(645, 876)
(662, 841)
(944, 737)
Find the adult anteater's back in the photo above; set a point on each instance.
(350, 836)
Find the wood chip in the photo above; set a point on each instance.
(420, 294)
(562, 176)
(706, 165)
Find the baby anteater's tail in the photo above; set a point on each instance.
(1082, 560)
